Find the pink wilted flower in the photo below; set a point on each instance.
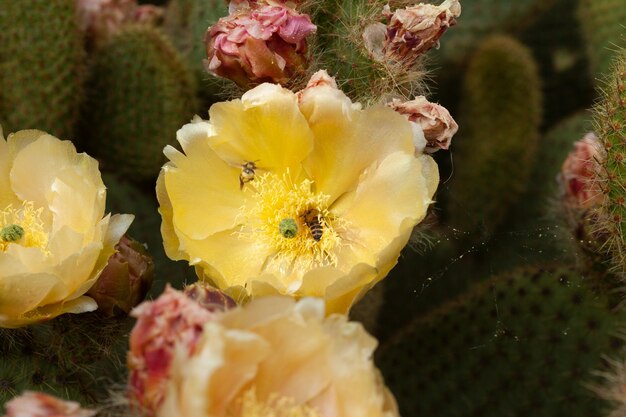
(103, 18)
(579, 175)
(435, 121)
(172, 321)
(263, 44)
(411, 31)
(37, 404)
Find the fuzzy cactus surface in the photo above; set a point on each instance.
(41, 66)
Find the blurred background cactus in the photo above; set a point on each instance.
(509, 300)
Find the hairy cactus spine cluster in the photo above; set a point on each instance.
(610, 126)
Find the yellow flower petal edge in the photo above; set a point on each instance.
(278, 357)
(303, 194)
(55, 239)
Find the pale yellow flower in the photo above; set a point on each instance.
(278, 358)
(303, 194)
(54, 237)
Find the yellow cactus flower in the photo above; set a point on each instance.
(280, 358)
(54, 237)
(304, 194)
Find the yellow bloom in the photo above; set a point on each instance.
(54, 240)
(278, 358)
(304, 194)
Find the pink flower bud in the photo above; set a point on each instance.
(411, 31)
(125, 280)
(264, 44)
(37, 404)
(102, 18)
(579, 177)
(148, 14)
(435, 121)
(236, 5)
(171, 321)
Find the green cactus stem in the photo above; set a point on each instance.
(41, 66)
(495, 148)
(141, 93)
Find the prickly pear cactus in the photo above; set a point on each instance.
(186, 22)
(524, 343)
(41, 66)
(610, 126)
(499, 133)
(140, 93)
(602, 22)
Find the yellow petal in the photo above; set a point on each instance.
(21, 293)
(171, 243)
(37, 165)
(234, 261)
(400, 179)
(204, 190)
(348, 140)
(265, 126)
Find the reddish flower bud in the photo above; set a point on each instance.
(265, 44)
(37, 404)
(148, 14)
(434, 120)
(209, 297)
(171, 321)
(125, 280)
(579, 177)
(411, 31)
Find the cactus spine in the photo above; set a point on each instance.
(141, 93)
(500, 121)
(610, 126)
(41, 66)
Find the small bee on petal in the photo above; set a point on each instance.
(247, 173)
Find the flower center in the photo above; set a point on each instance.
(248, 405)
(294, 221)
(22, 226)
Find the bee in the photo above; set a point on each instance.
(247, 173)
(312, 219)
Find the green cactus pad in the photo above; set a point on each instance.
(496, 144)
(521, 344)
(41, 66)
(140, 94)
(603, 27)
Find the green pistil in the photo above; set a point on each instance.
(288, 228)
(11, 233)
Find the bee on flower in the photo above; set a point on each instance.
(341, 189)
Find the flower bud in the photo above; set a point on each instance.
(102, 18)
(264, 44)
(148, 14)
(411, 31)
(37, 404)
(579, 177)
(125, 280)
(209, 297)
(172, 320)
(434, 120)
